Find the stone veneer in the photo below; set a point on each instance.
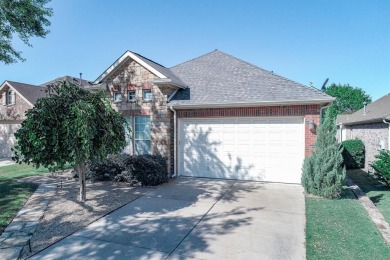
(11, 116)
(134, 77)
(373, 136)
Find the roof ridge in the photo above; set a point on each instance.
(269, 72)
(11, 81)
(136, 53)
(184, 62)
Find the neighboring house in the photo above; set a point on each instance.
(371, 125)
(216, 116)
(15, 99)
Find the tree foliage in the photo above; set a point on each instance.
(348, 99)
(71, 125)
(26, 18)
(382, 165)
(323, 172)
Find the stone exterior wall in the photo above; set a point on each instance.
(15, 111)
(11, 116)
(374, 136)
(133, 77)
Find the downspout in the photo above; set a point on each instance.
(388, 140)
(174, 141)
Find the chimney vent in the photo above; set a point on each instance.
(365, 107)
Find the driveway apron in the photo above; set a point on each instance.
(195, 218)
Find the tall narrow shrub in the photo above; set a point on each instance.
(324, 173)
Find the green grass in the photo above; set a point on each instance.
(376, 191)
(14, 194)
(342, 229)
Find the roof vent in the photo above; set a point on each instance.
(365, 108)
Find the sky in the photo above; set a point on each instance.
(306, 41)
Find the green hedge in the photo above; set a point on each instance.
(382, 165)
(147, 170)
(354, 154)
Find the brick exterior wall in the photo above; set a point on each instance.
(15, 111)
(309, 112)
(373, 136)
(133, 77)
(11, 116)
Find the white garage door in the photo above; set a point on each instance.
(7, 139)
(261, 149)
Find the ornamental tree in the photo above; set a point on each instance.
(324, 172)
(70, 126)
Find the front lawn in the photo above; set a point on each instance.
(14, 194)
(378, 193)
(342, 229)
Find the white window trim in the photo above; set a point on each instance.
(9, 98)
(133, 135)
(143, 95)
(114, 94)
(135, 95)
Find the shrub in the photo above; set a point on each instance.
(354, 154)
(108, 169)
(323, 173)
(149, 170)
(382, 165)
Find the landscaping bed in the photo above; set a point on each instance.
(378, 193)
(341, 229)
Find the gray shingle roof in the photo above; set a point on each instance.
(30, 92)
(218, 78)
(70, 79)
(163, 70)
(375, 112)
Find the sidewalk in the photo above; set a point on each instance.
(6, 161)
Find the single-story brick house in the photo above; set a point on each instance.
(371, 125)
(15, 99)
(216, 116)
(213, 116)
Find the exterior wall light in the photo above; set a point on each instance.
(312, 126)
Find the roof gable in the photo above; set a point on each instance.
(29, 93)
(219, 79)
(375, 112)
(160, 71)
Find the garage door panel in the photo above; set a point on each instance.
(261, 149)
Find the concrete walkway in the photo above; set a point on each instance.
(196, 219)
(6, 161)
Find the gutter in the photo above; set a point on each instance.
(322, 108)
(174, 141)
(167, 81)
(250, 104)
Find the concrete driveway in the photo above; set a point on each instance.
(193, 218)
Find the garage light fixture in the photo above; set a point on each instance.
(312, 126)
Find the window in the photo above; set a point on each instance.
(147, 94)
(117, 97)
(142, 138)
(9, 98)
(131, 95)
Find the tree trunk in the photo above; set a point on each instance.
(83, 188)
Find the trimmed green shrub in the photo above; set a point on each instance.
(108, 169)
(354, 154)
(382, 165)
(147, 170)
(323, 173)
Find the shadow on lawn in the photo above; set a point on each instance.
(368, 183)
